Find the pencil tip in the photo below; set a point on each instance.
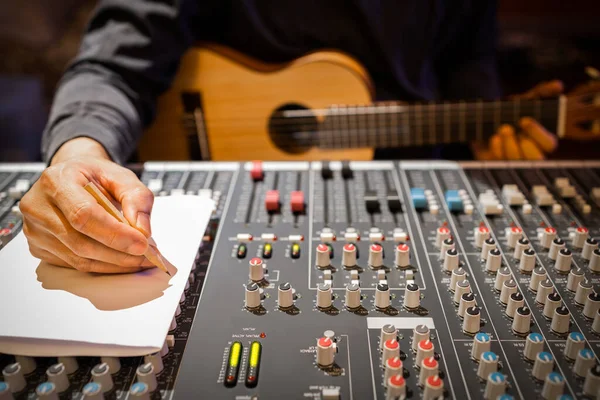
(168, 273)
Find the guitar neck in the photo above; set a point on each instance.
(384, 125)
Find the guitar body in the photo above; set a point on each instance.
(239, 96)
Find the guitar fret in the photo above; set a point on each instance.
(478, 120)
(348, 125)
(393, 117)
(407, 131)
(419, 123)
(432, 119)
(384, 127)
(462, 118)
(446, 122)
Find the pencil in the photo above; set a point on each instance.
(152, 254)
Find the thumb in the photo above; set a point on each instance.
(135, 198)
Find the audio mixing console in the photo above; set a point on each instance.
(363, 280)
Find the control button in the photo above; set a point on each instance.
(429, 367)
(592, 382)
(256, 269)
(253, 364)
(402, 255)
(5, 393)
(326, 349)
(418, 198)
(520, 247)
(576, 275)
(14, 377)
(594, 265)
(596, 323)
(101, 375)
(375, 256)
(349, 256)
(589, 246)
(563, 261)
(547, 237)
(446, 245)
(580, 235)
(393, 367)
(454, 201)
(544, 289)
(267, 251)
(412, 296)
(513, 235)
(521, 321)
(467, 300)
(481, 344)
(488, 245)
(458, 275)
(28, 364)
(557, 244)
(92, 391)
(538, 275)
(326, 172)
(461, 287)
(272, 201)
(388, 332)
(561, 320)
(241, 250)
(584, 361)
(393, 201)
(424, 350)
(543, 365)
(534, 344)
(552, 303)
(515, 301)
(47, 391)
(488, 363)
(297, 201)
(481, 234)
(396, 387)
(139, 391)
(330, 393)
(451, 260)
(324, 296)
(527, 261)
(57, 374)
(583, 290)
(252, 298)
(420, 333)
(502, 276)
(471, 320)
(70, 363)
(575, 343)
(347, 170)
(441, 234)
(285, 296)
(322, 260)
(554, 385)
(508, 287)
(114, 364)
(372, 202)
(382, 296)
(495, 386)
(352, 299)
(145, 374)
(592, 305)
(256, 171)
(391, 349)
(493, 261)
(233, 364)
(434, 388)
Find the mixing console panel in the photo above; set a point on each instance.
(364, 280)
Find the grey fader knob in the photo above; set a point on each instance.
(552, 303)
(382, 296)
(352, 297)
(101, 375)
(471, 320)
(576, 275)
(592, 305)
(522, 321)
(420, 332)
(14, 377)
(583, 290)
(57, 374)
(561, 320)
(563, 261)
(493, 261)
(588, 247)
(522, 245)
(544, 289)
(527, 263)
(515, 301)
(285, 295)
(145, 374)
(451, 260)
(502, 276)
(557, 244)
(412, 296)
(324, 296)
(388, 332)
(488, 245)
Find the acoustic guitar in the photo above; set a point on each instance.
(226, 106)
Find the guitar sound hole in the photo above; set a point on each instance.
(293, 128)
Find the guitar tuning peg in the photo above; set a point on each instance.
(592, 73)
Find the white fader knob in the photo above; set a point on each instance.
(402, 255)
(591, 384)
(412, 296)
(589, 246)
(375, 256)
(575, 343)
(252, 296)
(352, 297)
(101, 375)
(534, 344)
(14, 377)
(481, 233)
(580, 235)
(513, 235)
(554, 385)
(488, 363)
(420, 332)
(481, 344)
(493, 261)
(472, 320)
(488, 244)
(57, 374)
(256, 267)
(584, 361)
(495, 386)
(441, 234)
(285, 295)
(388, 332)
(451, 260)
(349, 255)
(324, 296)
(382, 296)
(561, 320)
(522, 245)
(576, 275)
(543, 365)
(326, 350)
(592, 305)
(145, 374)
(322, 258)
(557, 244)
(527, 263)
(563, 261)
(594, 265)
(522, 321)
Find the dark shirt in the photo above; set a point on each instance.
(413, 50)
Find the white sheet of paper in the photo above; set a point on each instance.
(53, 311)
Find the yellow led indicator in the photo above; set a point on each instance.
(235, 353)
(255, 354)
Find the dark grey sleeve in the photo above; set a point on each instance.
(128, 56)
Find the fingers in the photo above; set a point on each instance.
(509, 142)
(529, 149)
(544, 139)
(544, 89)
(505, 145)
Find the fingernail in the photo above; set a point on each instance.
(143, 223)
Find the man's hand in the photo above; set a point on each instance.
(65, 225)
(531, 142)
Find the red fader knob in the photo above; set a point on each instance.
(297, 201)
(256, 172)
(272, 200)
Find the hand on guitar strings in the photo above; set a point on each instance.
(529, 140)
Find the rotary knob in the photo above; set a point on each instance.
(554, 385)
(114, 364)
(596, 323)
(349, 255)
(592, 305)
(5, 393)
(101, 375)
(92, 391)
(481, 233)
(575, 343)
(552, 303)
(324, 296)
(429, 367)
(46, 391)
(561, 320)
(481, 344)
(467, 300)
(538, 275)
(412, 296)
(451, 260)
(576, 275)
(458, 275)
(495, 386)
(326, 350)
(461, 287)
(544, 289)
(515, 301)
(256, 267)
(441, 234)
(139, 391)
(434, 388)
(388, 332)
(57, 374)
(70, 363)
(563, 261)
(446, 245)
(547, 237)
(145, 374)
(508, 287)
(352, 297)
(382, 296)
(391, 349)
(285, 296)
(393, 367)
(402, 255)
(156, 360)
(594, 265)
(592, 382)
(583, 290)
(323, 256)
(513, 235)
(14, 377)
(580, 235)
(488, 245)
(557, 244)
(493, 261)
(584, 361)
(396, 387)
(543, 365)
(588, 247)
(252, 296)
(488, 363)
(424, 350)
(472, 320)
(521, 321)
(534, 344)
(28, 364)
(527, 263)
(502, 276)
(420, 333)
(522, 245)
(375, 256)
